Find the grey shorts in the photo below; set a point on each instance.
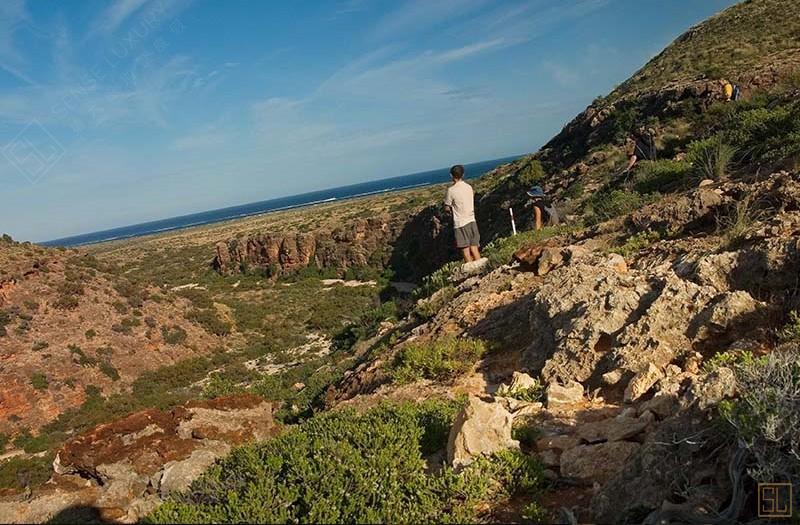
(468, 235)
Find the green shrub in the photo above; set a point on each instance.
(39, 381)
(342, 467)
(90, 334)
(210, 321)
(435, 281)
(529, 174)
(766, 415)
(120, 307)
(173, 336)
(5, 320)
(736, 224)
(636, 243)
(40, 345)
(109, 370)
(607, 204)
(40, 443)
(18, 473)
(729, 359)
(661, 176)
(428, 308)
(526, 433)
(133, 292)
(66, 302)
(533, 393)
(79, 356)
(440, 360)
(791, 330)
(366, 326)
(710, 157)
(766, 133)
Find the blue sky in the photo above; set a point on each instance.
(124, 111)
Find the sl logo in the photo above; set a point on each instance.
(774, 500)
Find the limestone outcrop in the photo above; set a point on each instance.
(125, 467)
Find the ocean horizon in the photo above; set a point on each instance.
(363, 189)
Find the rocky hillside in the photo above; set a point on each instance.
(69, 328)
(639, 364)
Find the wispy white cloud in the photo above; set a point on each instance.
(203, 140)
(116, 14)
(146, 16)
(13, 17)
(413, 16)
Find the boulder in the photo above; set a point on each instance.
(550, 258)
(710, 389)
(617, 262)
(520, 382)
(559, 396)
(559, 442)
(597, 463)
(615, 428)
(469, 269)
(661, 404)
(612, 377)
(529, 255)
(480, 428)
(572, 331)
(642, 382)
(732, 310)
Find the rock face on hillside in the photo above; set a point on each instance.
(617, 345)
(67, 324)
(412, 246)
(349, 246)
(125, 467)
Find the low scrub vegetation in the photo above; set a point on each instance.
(366, 326)
(428, 308)
(610, 203)
(174, 335)
(661, 176)
(636, 243)
(439, 360)
(39, 381)
(26, 472)
(209, 321)
(711, 157)
(737, 223)
(436, 281)
(766, 415)
(529, 174)
(342, 467)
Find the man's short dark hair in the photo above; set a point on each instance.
(457, 172)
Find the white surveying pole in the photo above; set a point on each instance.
(513, 225)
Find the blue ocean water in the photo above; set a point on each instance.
(402, 182)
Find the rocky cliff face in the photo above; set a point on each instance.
(412, 245)
(350, 246)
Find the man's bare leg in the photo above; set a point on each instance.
(475, 252)
(537, 214)
(466, 252)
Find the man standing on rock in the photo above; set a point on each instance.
(461, 201)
